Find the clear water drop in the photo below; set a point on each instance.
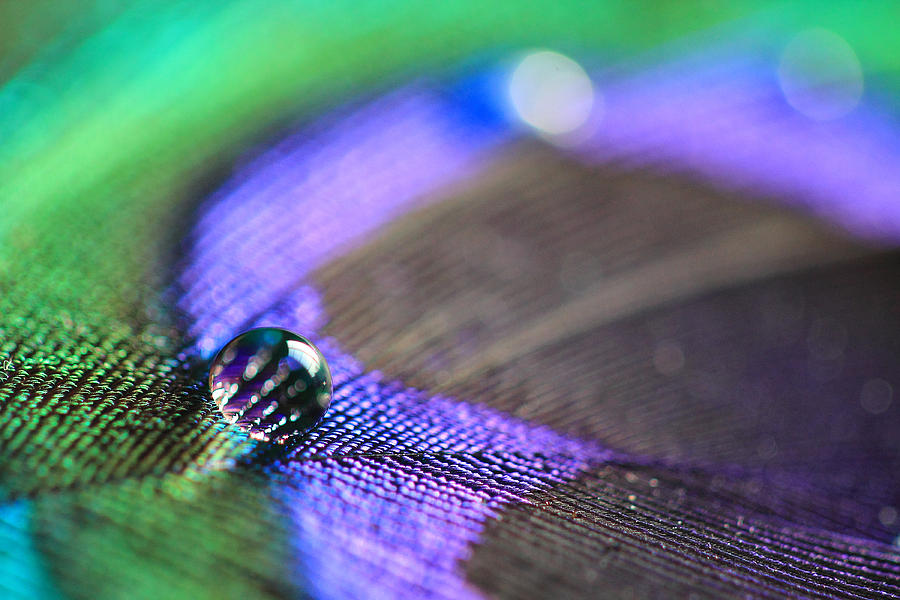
(271, 382)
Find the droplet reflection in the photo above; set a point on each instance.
(271, 382)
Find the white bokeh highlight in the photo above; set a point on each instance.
(552, 93)
(820, 75)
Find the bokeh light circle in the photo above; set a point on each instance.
(820, 75)
(551, 93)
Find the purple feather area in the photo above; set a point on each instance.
(382, 491)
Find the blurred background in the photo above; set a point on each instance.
(609, 291)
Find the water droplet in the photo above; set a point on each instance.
(271, 382)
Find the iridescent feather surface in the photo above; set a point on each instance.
(608, 296)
